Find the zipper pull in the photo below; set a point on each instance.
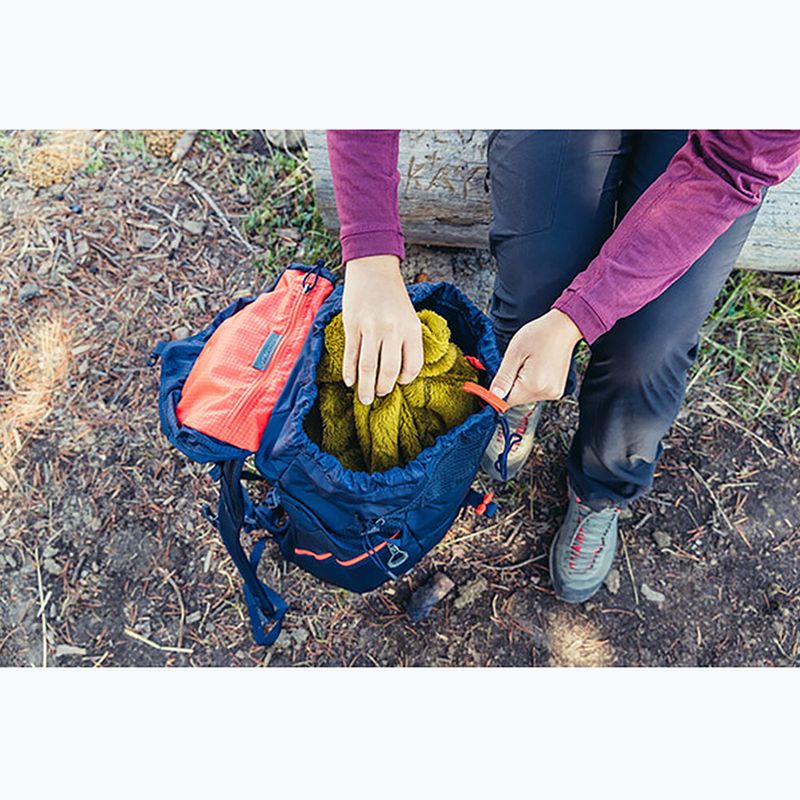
(307, 287)
(396, 555)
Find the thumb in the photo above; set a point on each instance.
(507, 374)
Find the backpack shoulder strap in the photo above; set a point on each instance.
(265, 606)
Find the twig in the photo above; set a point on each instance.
(630, 568)
(487, 529)
(714, 500)
(125, 384)
(226, 223)
(514, 566)
(8, 636)
(169, 579)
(103, 252)
(744, 429)
(102, 658)
(165, 648)
(41, 606)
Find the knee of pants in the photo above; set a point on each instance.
(654, 364)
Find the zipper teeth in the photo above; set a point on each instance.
(244, 401)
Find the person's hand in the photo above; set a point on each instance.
(537, 358)
(382, 332)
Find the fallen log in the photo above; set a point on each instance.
(444, 201)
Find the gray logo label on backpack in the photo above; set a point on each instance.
(267, 350)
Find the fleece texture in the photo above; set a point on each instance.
(393, 430)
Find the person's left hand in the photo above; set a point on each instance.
(537, 358)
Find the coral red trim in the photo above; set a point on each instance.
(349, 563)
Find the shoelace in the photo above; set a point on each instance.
(501, 463)
(588, 542)
(519, 430)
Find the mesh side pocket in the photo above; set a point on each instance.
(458, 465)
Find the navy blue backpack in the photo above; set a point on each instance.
(245, 386)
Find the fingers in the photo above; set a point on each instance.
(520, 393)
(389, 369)
(367, 368)
(507, 374)
(413, 357)
(377, 365)
(533, 384)
(352, 341)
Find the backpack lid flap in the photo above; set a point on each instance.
(242, 370)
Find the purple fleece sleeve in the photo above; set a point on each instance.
(716, 177)
(365, 181)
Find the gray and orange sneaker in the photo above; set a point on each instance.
(583, 550)
(522, 421)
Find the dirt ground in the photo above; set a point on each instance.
(106, 559)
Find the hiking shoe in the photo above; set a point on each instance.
(583, 551)
(522, 420)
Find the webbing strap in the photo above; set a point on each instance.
(265, 606)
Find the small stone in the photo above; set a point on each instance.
(194, 617)
(662, 539)
(52, 566)
(50, 551)
(612, 581)
(285, 139)
(471, 592)
(81, 248)
(69, 650)
(625, 513)
(28, 292)
(181, 333)
(290, 234)
(300, 635)
(194, 227)
(146, 240)
(75, 208)
(652, 595)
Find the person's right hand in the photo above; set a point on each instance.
(383, 336)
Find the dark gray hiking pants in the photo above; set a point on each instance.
(578, 183)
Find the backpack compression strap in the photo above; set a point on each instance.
(265, 606)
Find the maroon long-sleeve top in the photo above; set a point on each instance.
(712, 180)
